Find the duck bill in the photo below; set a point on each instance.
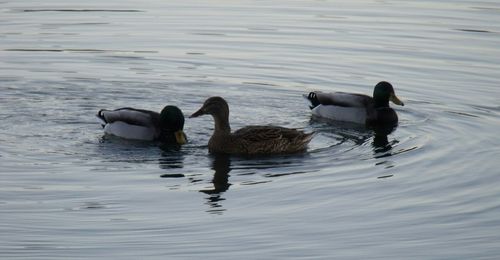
(394, 99)
(197, 113)
(180, 137)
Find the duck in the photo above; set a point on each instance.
(249, 140)
(140, 124)
(357, 108)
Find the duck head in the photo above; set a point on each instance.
(383, 93)
(215, 106)
(172, 122)
(219, 109)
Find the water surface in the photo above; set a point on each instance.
(429, 190)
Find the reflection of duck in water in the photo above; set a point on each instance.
(221, 164)
(170, 158)
(249, 140)
(358, 135)
(357, 108)
(380, 141)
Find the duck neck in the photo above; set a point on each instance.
(381, 102)
(222, 126)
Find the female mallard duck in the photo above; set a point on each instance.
(250, 140)
(357, 108)
(140, 124)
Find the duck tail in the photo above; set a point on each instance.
(302, 141)
(313, 99)
(308, 137)
(102, 119)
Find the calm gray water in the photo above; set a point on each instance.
(430, 191)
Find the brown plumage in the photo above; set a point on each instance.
(249, 140)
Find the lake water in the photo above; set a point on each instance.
(429, 191)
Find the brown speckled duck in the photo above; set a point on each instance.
(249, 140)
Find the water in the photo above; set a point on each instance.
(430, 191)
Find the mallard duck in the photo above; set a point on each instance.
(357, 108)
(140, 124)
(249, 140)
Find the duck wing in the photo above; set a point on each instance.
(341, 99)
(130, 116)
(259, 133)
(271, 139)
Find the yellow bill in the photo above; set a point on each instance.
(394, 99)
(180, 137)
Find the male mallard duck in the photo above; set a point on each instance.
(140, 124)
(357, 108)
(249, 140)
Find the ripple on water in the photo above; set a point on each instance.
(430, 187)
